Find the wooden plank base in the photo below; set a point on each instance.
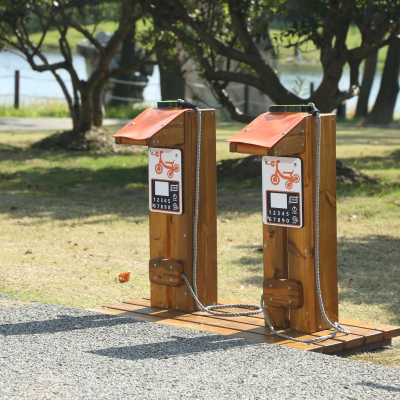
(363, 337)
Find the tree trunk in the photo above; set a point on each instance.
(382, 112)
(171, 78)
(75, 112)
(98, 103)
(128, 56)
(85, 122)
(366, 85)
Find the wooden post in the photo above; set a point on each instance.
(276, 266)
(301, 242)
(16, 90)
(289, 253)
(171, 236)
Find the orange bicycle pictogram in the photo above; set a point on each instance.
(169, 165)
(286, 175)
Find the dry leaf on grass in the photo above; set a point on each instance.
(124, 277)
(228, 239)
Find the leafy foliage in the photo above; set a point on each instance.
(230, 41)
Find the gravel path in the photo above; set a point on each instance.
(52, 352)
(44, 124)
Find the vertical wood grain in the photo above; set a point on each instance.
(159, 248)
(276, 266)
(301, 242)
(207, 223)
(181, 226)
(328, 222)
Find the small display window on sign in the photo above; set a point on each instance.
(165, 180)
(283, 208)
(165, 195)
(282, 191)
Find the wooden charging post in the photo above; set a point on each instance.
(289, 263)
(171, 222)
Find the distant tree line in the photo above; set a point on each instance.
(226, 39)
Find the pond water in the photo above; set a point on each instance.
(35, 86)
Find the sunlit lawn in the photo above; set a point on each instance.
(71, 222)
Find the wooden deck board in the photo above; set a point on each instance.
(363, 335)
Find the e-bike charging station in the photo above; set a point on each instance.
(170, 133)
(288, 143)
(300, 294)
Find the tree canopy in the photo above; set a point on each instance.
(229, 38)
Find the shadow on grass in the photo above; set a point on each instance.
(178, 346)
(374, 163)
(368, 271)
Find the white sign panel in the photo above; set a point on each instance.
(282, 191)
(165, 180)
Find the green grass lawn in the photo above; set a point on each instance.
(70, 222)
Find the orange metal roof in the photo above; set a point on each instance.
(148, 123)
(268, 129)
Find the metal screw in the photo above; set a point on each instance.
(132, 123)
(265, 245)
(185, 294)
(290, 301)
(184, 235)
(201, 324)
(302, 131)
(176, 307)
(158, 141)
(181, 123)
(155, 277)
(270, 299)
(333, 118)
(181, 136)
(155, 265)
(305, 250)
(297, 328)
(170, 267)
(152, 288)
(170, 280)
(283, 133)
(212, 112)
(103, 307)
(302, 144)
(162, 124)
(270, 285)
(306, 312)
(151, 231)
(246, 129)
(277, 324)
(161, 304)
(320, 326)
(289, 288)
(154, 141)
